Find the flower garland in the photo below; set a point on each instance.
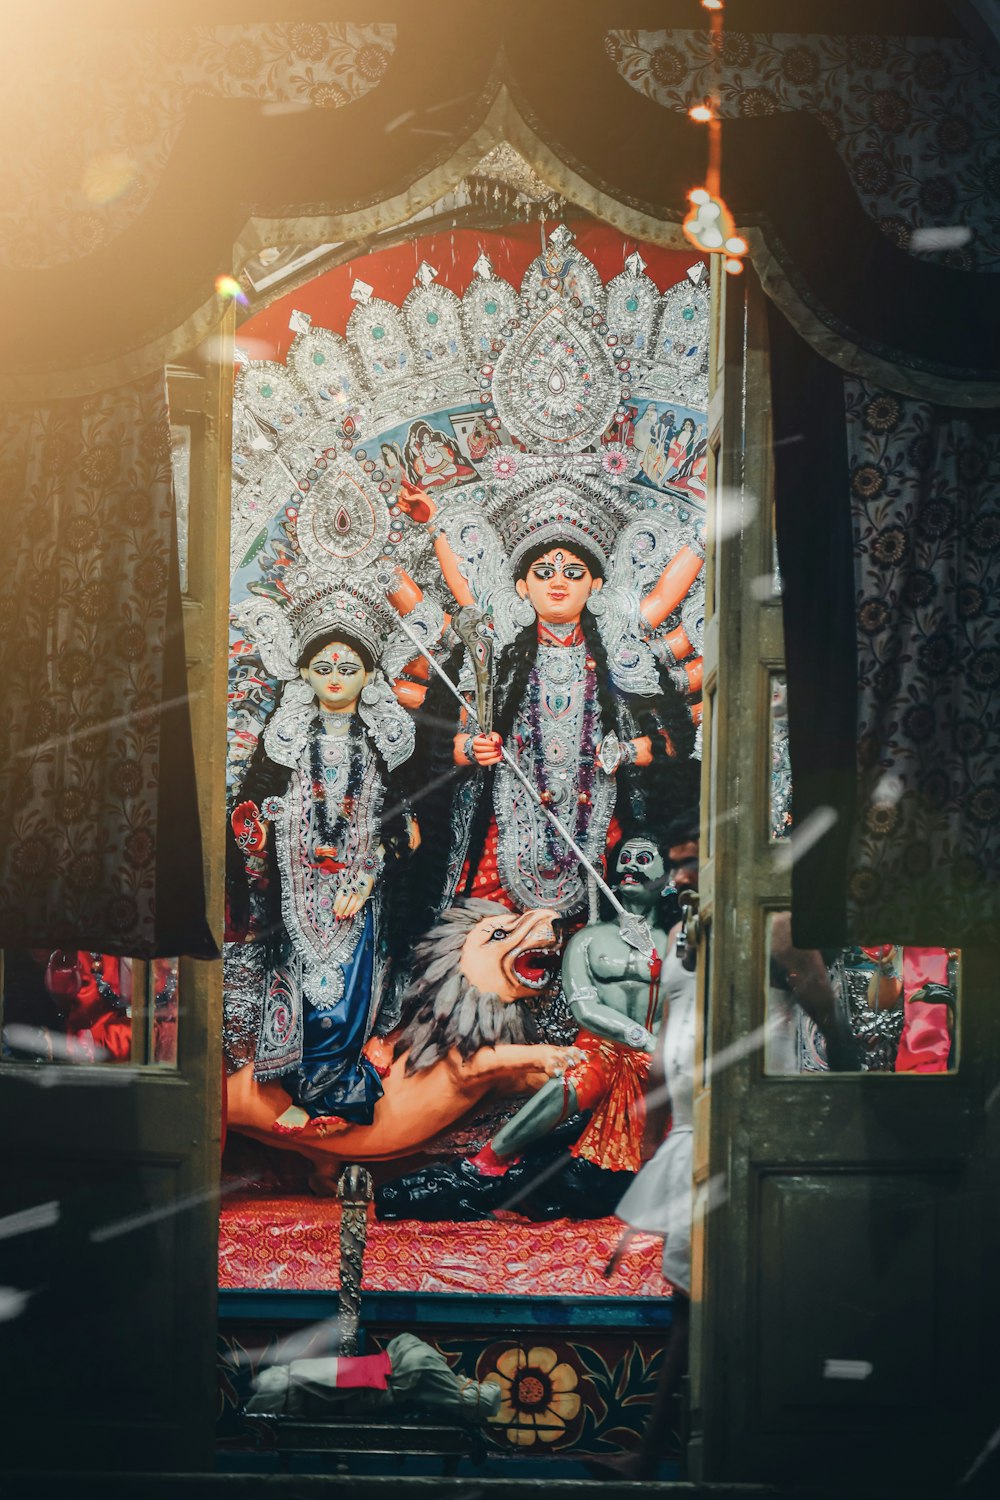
(330, 832)
(564, 858)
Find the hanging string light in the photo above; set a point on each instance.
(708, 224)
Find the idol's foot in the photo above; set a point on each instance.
(488, 1164)
(292, 1122)
(379, 1052)
(324, 1125)
(453, 1191)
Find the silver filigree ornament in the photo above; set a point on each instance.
(485, 566)
(535, 499)
(693, 614)
(343, 521)
(679, 368)
(644, 548)
(395, 360)
(326, 366)
(488, 304)
(632, 307)
(398, 364)
(563, 271)
(321, 606)
(389, 725)
(555, 384)
(289, 424)
(265, 624)
(286, 732)
(425, 621)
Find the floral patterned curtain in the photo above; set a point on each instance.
(924, 858)
(910, 116)
(108, 102)
(101, 847)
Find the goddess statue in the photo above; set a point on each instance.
(581, 702)
(323, 833)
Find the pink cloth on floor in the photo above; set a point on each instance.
(363, 1371)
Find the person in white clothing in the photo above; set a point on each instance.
(660, 1199)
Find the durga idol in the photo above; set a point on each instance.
(581, 704)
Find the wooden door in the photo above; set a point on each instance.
(108, 1230)
(846, 1226)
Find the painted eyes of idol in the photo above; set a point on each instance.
(498, 934)
(574, 572)
(346, 668)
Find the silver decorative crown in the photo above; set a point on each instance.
(326, 608)
(321, 606)
(534, 502)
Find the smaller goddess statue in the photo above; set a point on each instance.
(322, 831)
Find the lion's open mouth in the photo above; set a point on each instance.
(536, 967)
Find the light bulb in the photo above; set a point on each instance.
(737, 245)
(734, 267)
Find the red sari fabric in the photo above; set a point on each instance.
(611, 1081)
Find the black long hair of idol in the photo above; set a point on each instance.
(264, 778)
(435, 781)
(666, 785)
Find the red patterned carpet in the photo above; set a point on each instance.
(292, 1243)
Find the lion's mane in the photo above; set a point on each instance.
(442, 1010)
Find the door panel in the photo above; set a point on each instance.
(840, 1289)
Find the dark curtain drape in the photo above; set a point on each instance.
(888, 523)
(924, 485)
(101, 846)
(813, 525)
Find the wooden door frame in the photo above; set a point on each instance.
(200, 395)
(932, 1141)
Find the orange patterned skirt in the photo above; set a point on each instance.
(611, 1081)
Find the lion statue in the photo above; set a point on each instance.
(466, 1038)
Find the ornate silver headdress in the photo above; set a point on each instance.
(320, 606)
(325, 606)
(533, 500)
